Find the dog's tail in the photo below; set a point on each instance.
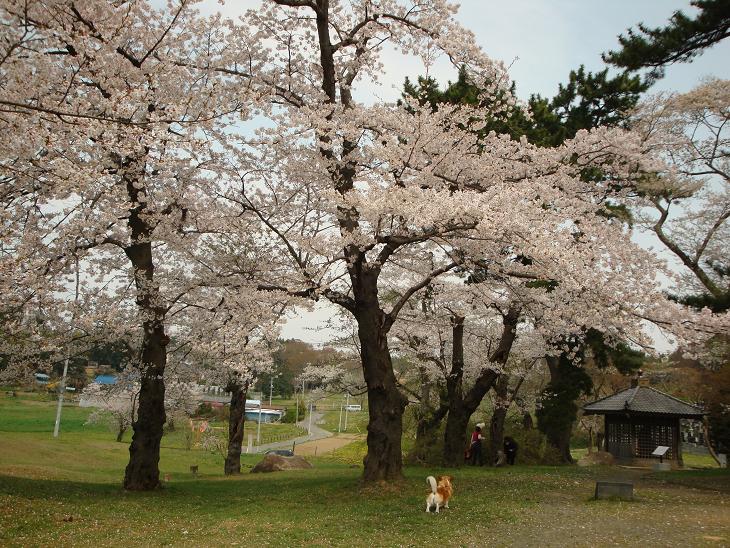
(432, 482)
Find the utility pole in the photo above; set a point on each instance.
(258, 427)
(347, 406)
(296, 417)
(62, 390)
(62, 386)
(310, 419)
(339, 425)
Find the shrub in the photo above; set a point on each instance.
(290, 412)
(204, 410)
(533, 447)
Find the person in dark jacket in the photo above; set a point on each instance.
(510, 449)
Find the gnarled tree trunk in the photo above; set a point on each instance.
(461, 407)
(496, 423)
(235, 427)
(142, 472)
(559, 409)
(384, 459)
(458, 417)
(428, 420)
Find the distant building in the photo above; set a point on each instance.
(42, 378)
(267, 415)
(105, 379)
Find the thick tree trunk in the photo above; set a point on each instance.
(428, 421)
(384, 459)
(496, 423)
(142, 472)
(559, 433)
(562, 443)
(456, 435)
(235, 428)
(456, 423)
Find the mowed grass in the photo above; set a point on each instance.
(357, 421)
(67, 491)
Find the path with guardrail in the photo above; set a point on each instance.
(317, 433)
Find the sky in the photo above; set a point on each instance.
(541, 41)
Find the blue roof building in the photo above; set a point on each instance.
(105, 379)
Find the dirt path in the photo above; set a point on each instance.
(662, 514)
(325, 445)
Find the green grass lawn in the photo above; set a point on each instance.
(67, 491)
(357, 421)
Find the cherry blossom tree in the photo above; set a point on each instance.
(355, 195)
(144, 173)
(114, 406)
(236, 344)
(117, 107)
(687, 204)
(550, 301)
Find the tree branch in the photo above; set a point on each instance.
(391, 316)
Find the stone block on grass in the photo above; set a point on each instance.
(614, 490)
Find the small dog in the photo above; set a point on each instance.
(440, 494)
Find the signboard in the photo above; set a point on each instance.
(660, 451)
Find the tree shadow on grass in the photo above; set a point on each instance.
(215, 491)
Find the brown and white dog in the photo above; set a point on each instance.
(441, 492)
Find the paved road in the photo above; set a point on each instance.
(317, 434)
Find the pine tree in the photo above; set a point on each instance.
(680, 41)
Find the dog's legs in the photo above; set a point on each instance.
(428, 506)
(447, 504)
(437, 507)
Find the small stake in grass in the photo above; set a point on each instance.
(194, 469)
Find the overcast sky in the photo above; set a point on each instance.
(541, 40)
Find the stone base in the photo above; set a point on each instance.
(614, 489)
(661, 466)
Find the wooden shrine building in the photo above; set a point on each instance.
(639, 419)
